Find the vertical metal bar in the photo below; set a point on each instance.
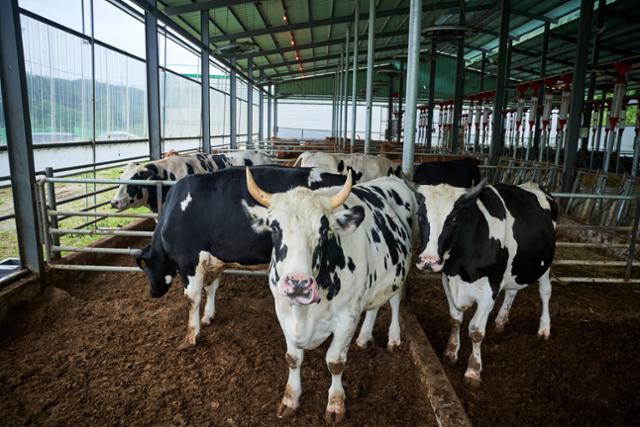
(459, 91)
(595, 53)
(269, 111)
(346, 92)
(19, 142)
(53, 205)
(261, 112)
(370, 53)
(159, 198)
(250, 104)
(204, 82)
(432, 92)
(577, 96)
(632, 243)
(333, 109)
(153, 79)
(339, 80)
(400, 93)
(275, 115)
(354, 77)
(501, 77)
(44, 217)
(413, 65)
(233, 144)
(543, 72)
(389, 110)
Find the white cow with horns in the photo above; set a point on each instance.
(336, 254)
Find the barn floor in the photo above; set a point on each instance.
(101, 351)
(587, 373)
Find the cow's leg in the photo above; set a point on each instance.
(394, 326)
(336, 359)
(477, 328)
(367, 328)
(292, 391)
(210, 305)
(503, 315)
(545, 294)
(193, 292)
(453, 345)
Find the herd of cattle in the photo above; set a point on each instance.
(339, 232)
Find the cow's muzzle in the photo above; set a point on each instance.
(117, 204)
(429, 263)
(299, 287)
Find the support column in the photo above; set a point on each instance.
(354, 71)
(204, 82)
(543, 71)
(501, 76)
(387, 137)
(261, 112)
(370, 53)
(458, 94)
(250, 104)
(346, 92)
(19, 142)
(153, 80)
(595, 53)
(413, 65)
(400, 91)
(339, 81)
(233, 144)
(577, 96)
(275, 115)
(432, 89)
(269, 112)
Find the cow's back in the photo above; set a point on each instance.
(459, 173)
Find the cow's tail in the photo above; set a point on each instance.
(298, 161)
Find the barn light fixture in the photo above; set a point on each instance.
(234, 49)
(447, 32)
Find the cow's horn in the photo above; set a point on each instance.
(260, 195)
(339, 198)
(473, 191)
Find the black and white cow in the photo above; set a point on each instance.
(364, 167)
(459, 173)
(173, 168)
(336, 254)
(484, 240)
(203, 224)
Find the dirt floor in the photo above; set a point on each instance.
(587, 373)
(101, 351)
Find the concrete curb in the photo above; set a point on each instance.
(443, 399)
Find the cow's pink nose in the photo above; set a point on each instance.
(429, 262)
(299, 287)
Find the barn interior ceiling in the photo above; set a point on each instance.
(297, 44)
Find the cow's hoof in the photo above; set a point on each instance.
(206, 321)
(451, 357)
(393, 346)
(544, 334)
(472, 379)
(362, 343)
(285, 411)
(333, 417)
(189, 340)
(499, 327)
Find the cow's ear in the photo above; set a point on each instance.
(349, 219)
(258, 215)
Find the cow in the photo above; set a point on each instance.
(459, 173)
(484, 240)
(203, 224)
(336, 254)
(365, 167)
(172, 168)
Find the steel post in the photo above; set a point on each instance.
(501, 76)
(233, 144)
(595, 52)
(204, 82)
(389, 111)
(354, 82)
(275, 116)
(269, 112)
(261, 113)
(339, 81)
(432, 91)
(400, 92)
(413, 66)
(577, 95)
(543, 71)
(19, 141)
(249, 104)
(153, 79)
(370, 54)
(346, 93)
(458, 94)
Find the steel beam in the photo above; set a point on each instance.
(346, 85)
(536, 16)
(432, 92)
(249, 106)
(370, 53)
(354, 71)
(261, 117)
(201, 5)
(275, 116)
(269, 112)
(543, 73)
(153, 80)
(233, 144)
(400, 112)
(204, 83)
(452, 6)
(413, 67)
(19, 142)
(501, 78)
(577, 95)
(458, 93)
